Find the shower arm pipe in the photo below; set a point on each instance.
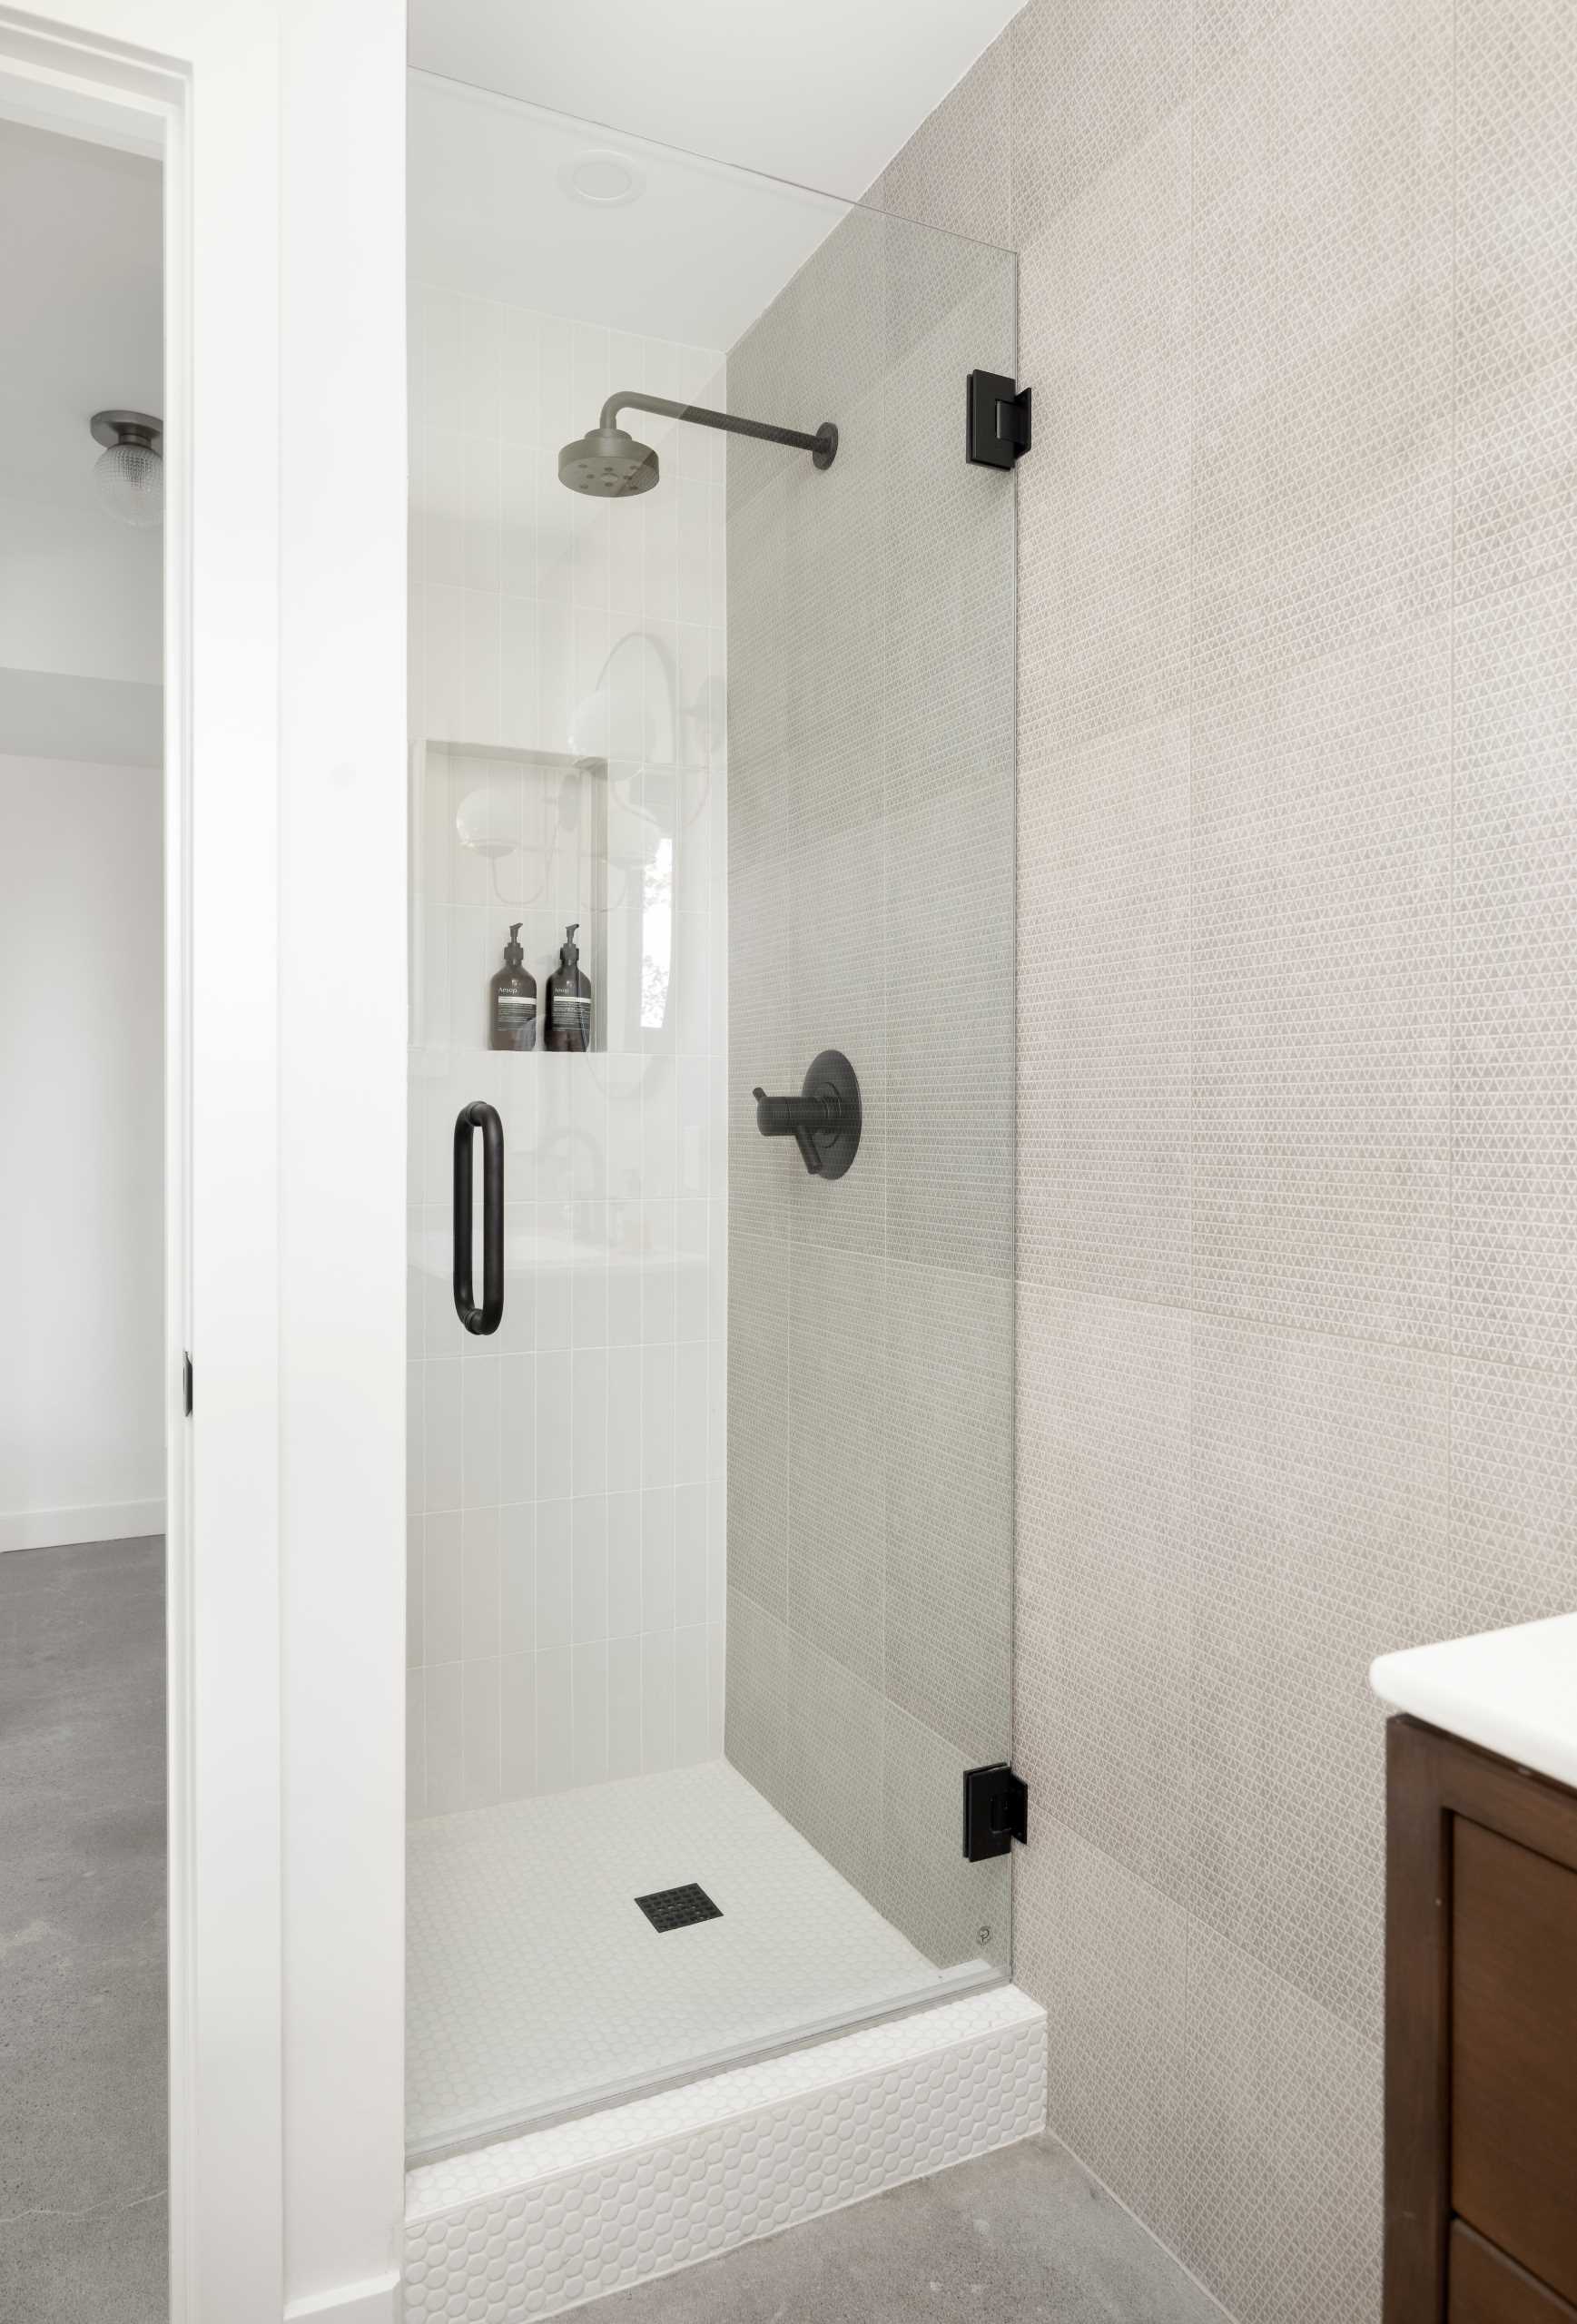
(823, 445)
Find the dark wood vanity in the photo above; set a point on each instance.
(1481, 2037)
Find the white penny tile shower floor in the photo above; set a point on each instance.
(535, 1983)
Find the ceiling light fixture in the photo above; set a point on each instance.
(603, 178)
(129, 473)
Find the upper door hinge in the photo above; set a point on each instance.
(996, 1811)
(997, 429)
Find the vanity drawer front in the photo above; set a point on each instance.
(1513, 2055)
(1486, 2287)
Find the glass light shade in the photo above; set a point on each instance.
(129, 479)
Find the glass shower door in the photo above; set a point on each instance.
(711, 1539)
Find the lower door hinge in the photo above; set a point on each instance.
(996, 1811)
(186, 1385)
(996, 419)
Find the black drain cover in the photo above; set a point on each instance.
(668, 1908)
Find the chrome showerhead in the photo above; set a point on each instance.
(607, 463)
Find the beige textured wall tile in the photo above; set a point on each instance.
(949, 1580)
(1514, 1225)
(1318, 1540)
(954, 1911)
(1109, 1958)
(1101, 1622)
(1514, 1497)
(955, 172)
(1281, 2195)
(1321, 973)
(1091, 79)
(1104, 1017)
(1516, 291)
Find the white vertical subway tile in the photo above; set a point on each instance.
(624, 1707)
(590, 1713)
(659, 1106)
(589, 1283)
(520, 394)
(554, 1573)
(589, 1548)
(657, 1229)
(555, 1719)
(416, 1743)
(690, 1417)
(717, 1687)
(552, 1436)
(516, 1428)
(657, 1393)
(479, 1696)
(590, 1422)
(692, 1103)
(415, 1585)
(691, 1302)
(690, 1555)
(624, 1565)
(626, 1272)
(442, 1586)
(657, 1703)
(658, 1515)
(445, 1745)
(441, 1433)
(517, 1579)
(481, 636)
(555, 1407)
(481, 515)
(479, 1583)
(479, 1432)
(518, 1725)
(690, 1697)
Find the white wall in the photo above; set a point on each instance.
(566, 1482)
(81, 1163)
(80, 594)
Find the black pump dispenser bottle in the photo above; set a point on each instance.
(568, 999)
(512, 999)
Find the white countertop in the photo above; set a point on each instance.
(1512, 1691)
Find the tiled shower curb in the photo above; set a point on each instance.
(534, 2225)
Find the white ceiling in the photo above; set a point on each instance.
(821, 92)
(694, 258)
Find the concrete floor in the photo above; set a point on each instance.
(83, 2110)
(1022, 2237)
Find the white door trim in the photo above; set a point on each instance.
(280, 126)
(198, 87)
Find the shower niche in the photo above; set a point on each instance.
(502, 837)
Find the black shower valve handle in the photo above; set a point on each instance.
(797, 1117)
(824, 1120)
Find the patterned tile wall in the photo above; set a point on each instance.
(1296, 1239)
(566, 1491)
(871, 885)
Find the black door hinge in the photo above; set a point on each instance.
(186, 1385)
(997, 429)
(996, 1811)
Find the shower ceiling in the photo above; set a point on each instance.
(695, 256)
(824, 92)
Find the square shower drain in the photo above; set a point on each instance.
(668, 1908)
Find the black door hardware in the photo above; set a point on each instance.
(996, 1811)
(824, 1117)
(479, 1116)
(186, 1386)
(997, 425)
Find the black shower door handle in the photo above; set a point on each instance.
(479, 1116)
